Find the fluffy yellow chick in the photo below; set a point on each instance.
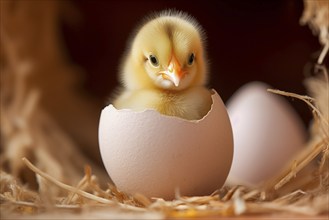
(165, 68)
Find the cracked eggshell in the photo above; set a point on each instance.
(153, 154)
(267, 134)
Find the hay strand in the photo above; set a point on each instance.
(64, 186)
(308, 100)
(77, 190)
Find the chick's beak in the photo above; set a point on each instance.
(174, 71)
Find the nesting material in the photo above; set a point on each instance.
(36, 84)
(52, 185)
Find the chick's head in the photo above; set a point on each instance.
(168, 53)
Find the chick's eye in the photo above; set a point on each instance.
(191, 59)
(154, 60)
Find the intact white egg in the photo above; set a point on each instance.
(154, 154)
(267, 134)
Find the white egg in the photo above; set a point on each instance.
(153, 154)
(267, 134)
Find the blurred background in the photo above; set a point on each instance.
(247, 40)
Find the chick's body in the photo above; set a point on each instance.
(165, 68)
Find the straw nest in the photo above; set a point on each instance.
(51, 184)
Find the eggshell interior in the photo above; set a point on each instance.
(153, 154)
(267, 134)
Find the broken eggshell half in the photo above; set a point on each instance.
(155, 155)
